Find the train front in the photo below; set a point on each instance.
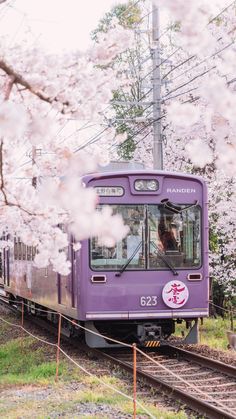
(158, 274)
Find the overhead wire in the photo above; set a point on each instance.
(195, 56)
(185, 84)
(222, 11)
(96, 138)
(179, 94)
(97, 135)
(204, 60)
(189, 81)
(201, 74)
(184, 62)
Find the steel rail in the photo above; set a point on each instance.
(213, 364)
(189, 400)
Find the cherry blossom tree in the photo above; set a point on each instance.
(199, 117)
(40, 173)
(198, 98)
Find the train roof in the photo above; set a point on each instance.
(137, 169)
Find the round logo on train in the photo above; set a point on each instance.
(175, 294)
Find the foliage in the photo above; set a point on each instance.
(198, 122)
(40, 171)
(200, 129)
(127, 103)
(127, 14)
(23, 362)
(212, 333)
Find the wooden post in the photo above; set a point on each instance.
(22, 313)
(231, 316)
(58, 346)
(134, 378)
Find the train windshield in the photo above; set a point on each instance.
(155, 231)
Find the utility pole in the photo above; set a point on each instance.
(156, 61)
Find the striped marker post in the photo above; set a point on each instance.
(135, 378)
(58, 346)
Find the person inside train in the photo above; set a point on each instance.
(166, 234)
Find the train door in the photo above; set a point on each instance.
(73, 284)
(1, 270)
(62, 290)
(66, 283)
(6, 267)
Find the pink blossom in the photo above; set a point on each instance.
(199, 152)
(183, 114)
(13, 119)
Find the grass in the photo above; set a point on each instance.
(27, 370)
(23, 362)
(124, 404)
(26, 362)
(211, 333)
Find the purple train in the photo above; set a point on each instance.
(137, 290)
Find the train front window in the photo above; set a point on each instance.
(132, 246)
(157, 235)
(175, 235)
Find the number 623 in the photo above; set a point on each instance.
(149, 300)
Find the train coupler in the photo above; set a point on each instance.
(149, 335)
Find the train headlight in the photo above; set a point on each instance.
(146, 185)
(152, 185)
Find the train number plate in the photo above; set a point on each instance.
(148, 301)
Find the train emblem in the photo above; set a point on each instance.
(175, 294)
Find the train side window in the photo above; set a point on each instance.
(15, 249)
(23, 251)
(1, 266)
(29, 252)
(34, 251)
(19, 250)
(62, 227)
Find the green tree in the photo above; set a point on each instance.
(126, 103)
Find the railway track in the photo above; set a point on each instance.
(204, 385)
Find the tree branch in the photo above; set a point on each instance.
(9, 85)
(21, 80)
(18, 79)
(2, 188)
(1, 173)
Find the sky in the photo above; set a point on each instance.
(56, 24)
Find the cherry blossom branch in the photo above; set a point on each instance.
(9, 85)
(21, 80)
(1, 173)
(12, 204)
(18, 79)
(2, 188)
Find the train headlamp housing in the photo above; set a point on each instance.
(146, 185)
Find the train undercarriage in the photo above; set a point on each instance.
(112, 333)
(141, 332)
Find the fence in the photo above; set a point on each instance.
(133, 347)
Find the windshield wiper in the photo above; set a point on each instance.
(129, 260)
(176, 209)
(164, 258)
